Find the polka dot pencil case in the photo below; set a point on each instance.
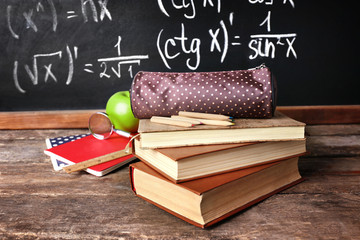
(240, 94)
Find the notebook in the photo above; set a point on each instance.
(73, 149)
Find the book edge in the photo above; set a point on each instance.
(162, 143)
(110, 169)
(53, 160)
(217, 148)
(221, 218)
(253, 202)
(211, 149)
(217, 173)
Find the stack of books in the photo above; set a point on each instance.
(204, 174)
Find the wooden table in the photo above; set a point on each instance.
(38, 203)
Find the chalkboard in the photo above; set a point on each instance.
(74, 54)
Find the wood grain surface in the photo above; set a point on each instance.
(38, 203)
(332, 114)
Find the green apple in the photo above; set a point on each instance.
(118, 108)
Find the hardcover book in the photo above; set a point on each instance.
(206, 201)
(89, 147)
(278, 128)
(188, 163)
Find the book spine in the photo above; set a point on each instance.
(131, 175)
(133, 188)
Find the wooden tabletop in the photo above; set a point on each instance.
(37, 202)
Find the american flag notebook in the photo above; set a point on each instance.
(53, 142)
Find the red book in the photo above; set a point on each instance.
(89, 147)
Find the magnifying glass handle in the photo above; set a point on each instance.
(123, 133)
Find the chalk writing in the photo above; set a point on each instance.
(264, 47)
(29, 17)
(88, 7)
(43, 66)
(120, 60)
(188, 6)
(267, 22)
(222, 37)
(33, 70)
(8, 18)
(181, 43)
(215, 41)
(90, 4)
(271, 2)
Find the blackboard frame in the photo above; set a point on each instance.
(334, 114)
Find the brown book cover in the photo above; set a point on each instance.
(181, 164)
(279, 181)
(278, 128)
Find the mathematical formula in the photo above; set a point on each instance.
(173, 45)
(261, 45)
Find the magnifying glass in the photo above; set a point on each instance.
(101, 126)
